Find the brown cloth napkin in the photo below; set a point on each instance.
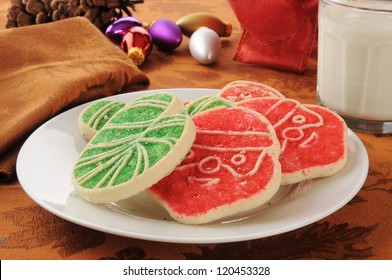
(47, 68)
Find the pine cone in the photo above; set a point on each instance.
(100, 12)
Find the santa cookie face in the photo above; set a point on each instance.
(313, 139)
(232, 167)
(244, 90)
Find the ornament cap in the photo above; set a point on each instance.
(228, 30)
(148, 25)
(137, 55)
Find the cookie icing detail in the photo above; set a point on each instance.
(207, 102)
(101, 116)
(107, 164)
(294, 117)
(131, 142)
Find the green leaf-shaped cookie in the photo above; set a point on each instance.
(95, 116)
(139, 145)
(207, 102)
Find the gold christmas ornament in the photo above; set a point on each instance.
(192, 22)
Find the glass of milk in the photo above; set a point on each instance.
(355, 62)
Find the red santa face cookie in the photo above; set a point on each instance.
(232, 167)
(244, 90)
(313, 139)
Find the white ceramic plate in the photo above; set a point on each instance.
(46, 159)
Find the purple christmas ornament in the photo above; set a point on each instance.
(118, 28)
(166, 35)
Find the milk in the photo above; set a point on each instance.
(355, 60)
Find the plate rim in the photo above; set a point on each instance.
(176, 239)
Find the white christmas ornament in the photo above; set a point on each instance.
(205, 45)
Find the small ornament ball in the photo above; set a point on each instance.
(137, 44)
(203, 29)
(192, 22)
(205, 45)
(166, 35)
(120, 27)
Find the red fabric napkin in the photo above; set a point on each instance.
(277, 33)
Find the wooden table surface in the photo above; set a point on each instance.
(359, 230)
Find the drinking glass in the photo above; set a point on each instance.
(354, 75)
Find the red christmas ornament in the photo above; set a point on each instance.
(137, 44)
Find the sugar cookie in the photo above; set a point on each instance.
(232, 167)
(139, 145)
(313, 139)
(243, 90)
